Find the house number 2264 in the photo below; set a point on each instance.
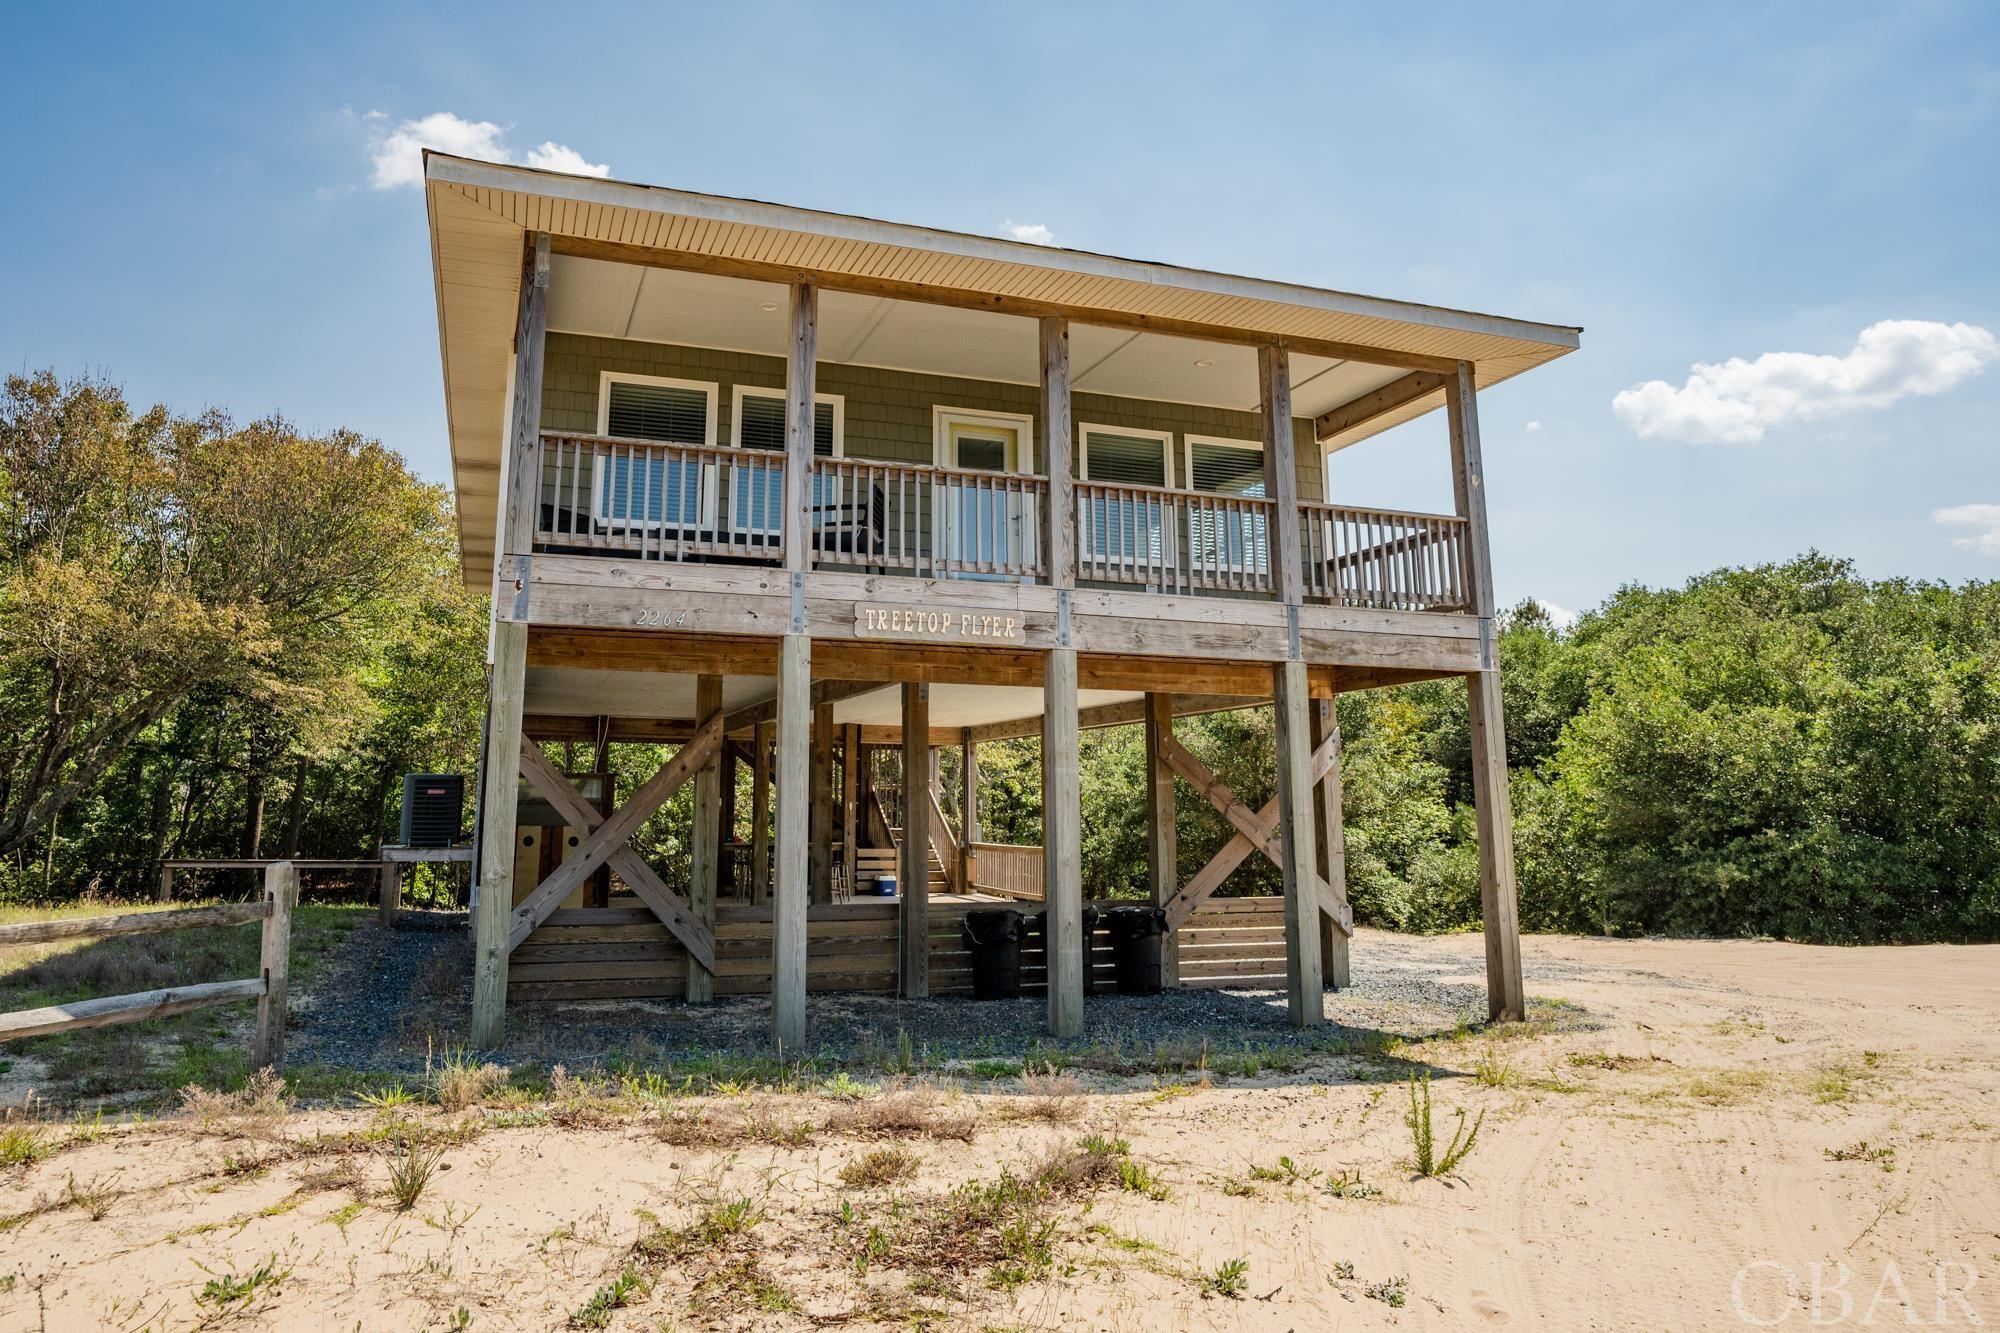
(662, 619)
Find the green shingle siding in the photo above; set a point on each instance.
(888, 412)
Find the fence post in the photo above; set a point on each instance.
(166, 884)
(281, 891)
(392, 894)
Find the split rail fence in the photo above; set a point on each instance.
(269, 987)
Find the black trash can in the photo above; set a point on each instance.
(1138, 936)
(1037, 929)
(993, 934)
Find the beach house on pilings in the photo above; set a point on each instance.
(811, 493)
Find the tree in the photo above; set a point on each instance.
(145, 558)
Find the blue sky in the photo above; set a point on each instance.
(191, 213)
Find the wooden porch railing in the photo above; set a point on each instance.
(1172, 540)
(1006, 870)
(1383, 558)
(928, 522)
(663, 501)
(945, 843)
(659, 501)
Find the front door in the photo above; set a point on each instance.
(981, 525)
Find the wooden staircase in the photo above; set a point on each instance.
(940, 878)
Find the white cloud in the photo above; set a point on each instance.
(398, 153)
(1982, 516)
(1736, 401)
(1034, 233)
(1532, 427)
(561, 157)
(1559, 616)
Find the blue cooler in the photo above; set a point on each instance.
(885, 886)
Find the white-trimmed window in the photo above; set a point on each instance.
(1119, 528)
(759, 417)
(643, 490)
(1219, 466)
(756, 494)
(1125, 455)
(978, 441)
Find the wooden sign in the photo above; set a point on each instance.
(934, 624)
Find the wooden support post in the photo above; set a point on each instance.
(760, 813)
(390, 889)
(1468, 487)
(523, 461)
(800, 368)
(1281, 476)
(725, 825)
(850, 803)
(790, 891)
(968, 806)
(600, 762)
(166, 884)
(822, 803)
(1162, 838)
(500, 782)
(531, 324)
(1060, 539)
(1506, 994)
(281, 891)
(1293, 705)
(914, 873)
(1062, 838)
(1332, 846)
(499, 797)
(869, 824)
(706, 870)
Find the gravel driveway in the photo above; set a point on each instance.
(396, 996)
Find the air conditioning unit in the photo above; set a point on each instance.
(433, 808)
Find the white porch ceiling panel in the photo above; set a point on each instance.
(612, 300)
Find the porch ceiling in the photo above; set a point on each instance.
(606, 299)
(578, 692)
(480, 211)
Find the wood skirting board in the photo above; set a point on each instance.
(619, 952)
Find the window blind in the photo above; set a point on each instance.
(758, 498)
(763, 424)
(1124, 460)
(652, 492)
(658, 412)
(1226, 469)
(1233, 541)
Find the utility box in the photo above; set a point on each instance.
(533, 808)
(433, 809)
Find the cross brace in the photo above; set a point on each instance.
(1255, 831)
(607, 842)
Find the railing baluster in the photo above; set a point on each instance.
(671, 500)
(575, 452)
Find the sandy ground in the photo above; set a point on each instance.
(1716, 1135)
